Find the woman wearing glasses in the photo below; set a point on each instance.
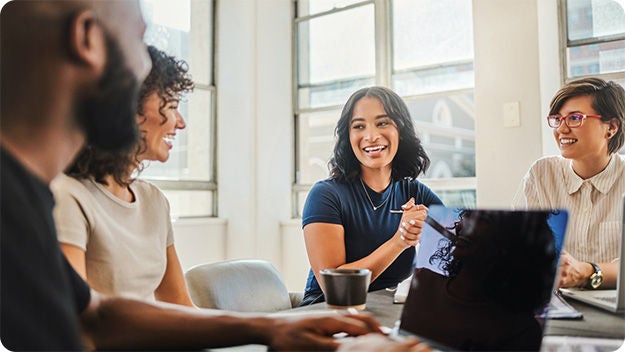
(370, 212)
(587, 117)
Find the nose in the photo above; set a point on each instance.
(563, 128)
(180, 123)
(372, 134)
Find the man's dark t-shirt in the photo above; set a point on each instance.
(41, 295)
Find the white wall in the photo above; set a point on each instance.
(508, 69)
(516, 59)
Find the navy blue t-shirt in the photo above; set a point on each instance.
(346, 204)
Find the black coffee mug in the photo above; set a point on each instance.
(345, 288)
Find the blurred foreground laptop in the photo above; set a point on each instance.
(611, 300)
(448, 316)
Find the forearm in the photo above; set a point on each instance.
(610, 273)
(121, 323)
(379, 260)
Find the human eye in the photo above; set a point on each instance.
(358, 126)
(384, 122)
(576, 117)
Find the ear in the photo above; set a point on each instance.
(87, 41)
(614, 125)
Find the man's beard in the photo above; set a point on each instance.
(108, 115)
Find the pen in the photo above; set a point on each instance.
(396, 211)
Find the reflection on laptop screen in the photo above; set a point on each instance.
(481, 275)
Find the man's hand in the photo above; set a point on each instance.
(316, 333)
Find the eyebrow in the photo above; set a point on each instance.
(381, 116)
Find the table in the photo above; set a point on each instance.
(596, 323)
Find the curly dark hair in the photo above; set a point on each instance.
(608, 101)
(410, 160)
(170, 79)
(522, 261)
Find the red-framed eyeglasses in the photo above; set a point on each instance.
(573, 120)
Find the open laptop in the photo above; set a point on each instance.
(611, 300)
(465, 319)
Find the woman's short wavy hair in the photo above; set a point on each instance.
(410, 160)
(522, 260)
(608, 101)
(170, 79)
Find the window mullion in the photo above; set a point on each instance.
(383, 47)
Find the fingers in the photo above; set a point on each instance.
(409, 204)
(368, 320)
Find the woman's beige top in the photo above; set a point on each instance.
(595, 205)
(125, 243)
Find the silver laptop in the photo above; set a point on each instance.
(611, 300)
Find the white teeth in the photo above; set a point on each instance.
(374, 149)
(568, 140)
(169, 139)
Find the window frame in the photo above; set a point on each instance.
(210, 184)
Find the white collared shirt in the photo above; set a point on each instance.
(594, 205)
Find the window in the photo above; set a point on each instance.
(184, 29)
(342, 46)
(594, 39)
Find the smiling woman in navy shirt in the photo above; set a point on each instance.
(351, 220)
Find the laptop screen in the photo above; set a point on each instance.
(482, 275)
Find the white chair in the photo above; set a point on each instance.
(241, 286)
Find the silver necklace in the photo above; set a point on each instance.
(375, 207)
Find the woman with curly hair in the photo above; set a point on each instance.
(499, 271)
(114, 229)
(352, 219)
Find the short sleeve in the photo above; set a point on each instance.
(322, 205)
(527, 194)
(424, 195)
(170, 228)
(70, 216)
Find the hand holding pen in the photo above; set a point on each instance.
(411, 223)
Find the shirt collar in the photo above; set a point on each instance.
(602, 181)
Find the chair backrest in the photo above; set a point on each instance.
(238, 285)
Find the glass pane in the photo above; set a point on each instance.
(315, 145)
(201, 42)
(427, 32)
(595, 18)
(446, 126)
(337, 46)
(438, 79)
(190, 203)
(190, 157)
(457, 198)
(168, 26)
(596, 58)
(331, 94)
(311, 7)
(168, 29)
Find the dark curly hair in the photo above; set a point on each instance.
(410, 160)
(170, 79)
(608, 101)
(521, 263)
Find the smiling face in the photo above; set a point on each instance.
(588, 142)
(373, 135)
(158, 126)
